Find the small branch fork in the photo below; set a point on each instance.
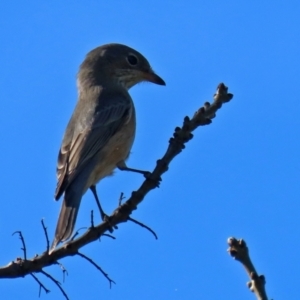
(58, 284)
(23, 267)
(21, 263)
(240, 252)
(64, 270)
(41, 286)
(135, 221)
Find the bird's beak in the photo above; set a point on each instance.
(152, 77)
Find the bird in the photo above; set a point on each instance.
(101, 130)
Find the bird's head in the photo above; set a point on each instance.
(116, 63)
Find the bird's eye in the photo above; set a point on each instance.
(132, 59)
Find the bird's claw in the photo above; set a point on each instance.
(148, 176)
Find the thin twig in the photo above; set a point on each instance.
(76, 233)
(108, 235)
(92, 219)
(64, 270)
(121, 198)
(23, 243)
(97, 267)
(144, 226)
(58, 284)
(40, 285)
(46, 235)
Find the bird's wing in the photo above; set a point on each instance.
(99, 125)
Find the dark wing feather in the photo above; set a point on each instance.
(79, 146)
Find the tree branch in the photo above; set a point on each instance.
(97, 267)
(239, 251)
(22, 267)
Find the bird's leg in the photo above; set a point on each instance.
(104, 216)
(123, 167)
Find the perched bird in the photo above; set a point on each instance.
(101, 131)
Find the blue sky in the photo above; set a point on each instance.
(237, 177)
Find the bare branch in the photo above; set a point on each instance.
(64, 270)
(58, 284)
(76, 233)
(41, 286)
(108, 235)
(23, 243)
(46, 235)
(144, 226)
(181, 136)
(121, 198)
(92, 219)
(240, 252)
(97, 267)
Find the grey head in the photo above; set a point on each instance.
(115, 64)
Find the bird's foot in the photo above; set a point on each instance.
(149, 176)
(107, 219)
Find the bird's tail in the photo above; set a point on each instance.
(67, 218)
